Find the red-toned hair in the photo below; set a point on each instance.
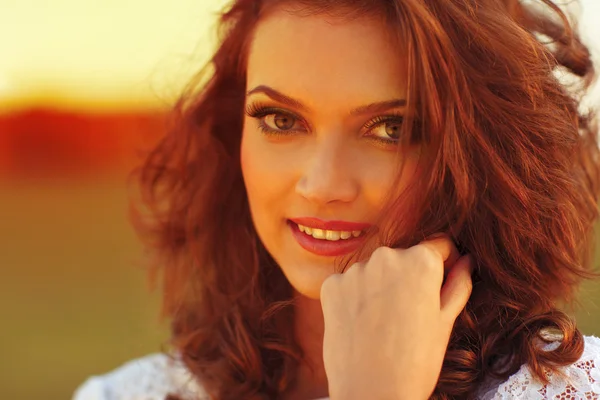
(511, 172)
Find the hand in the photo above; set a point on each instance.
(388, 321)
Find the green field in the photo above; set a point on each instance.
(73, 295)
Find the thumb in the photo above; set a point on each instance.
(457, 288)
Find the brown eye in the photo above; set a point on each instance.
(284, 122)
(392, 129)
(386, 128)
(274, 121)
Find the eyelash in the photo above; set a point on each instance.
(259, 111)
(381, 120)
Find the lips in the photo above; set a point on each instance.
(324, 247)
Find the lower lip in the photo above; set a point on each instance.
(322, 247)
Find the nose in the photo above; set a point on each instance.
(329, 175)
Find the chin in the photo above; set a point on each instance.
(307, 280)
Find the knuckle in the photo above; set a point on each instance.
(382, 253)
(427, 257)
(353, 269)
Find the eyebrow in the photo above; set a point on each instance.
(372, 108)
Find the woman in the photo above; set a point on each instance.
(374, 200)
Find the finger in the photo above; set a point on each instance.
(355, 268)
(458, 287)
(443, 244)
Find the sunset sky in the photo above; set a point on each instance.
(112, 53)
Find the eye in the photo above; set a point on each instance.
(385, 128)
(275, 121)
(280, 121)
(388, 130)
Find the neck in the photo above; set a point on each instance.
(311, 381)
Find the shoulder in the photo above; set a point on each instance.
(151, 378)
(580, 380)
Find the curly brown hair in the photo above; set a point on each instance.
(511, 173)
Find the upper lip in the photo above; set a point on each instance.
(330, 225)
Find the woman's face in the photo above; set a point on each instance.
(324, 104)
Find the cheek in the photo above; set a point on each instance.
(379, 179)
(254, 162)
(264, 177)
(377, 175)
(249, 161)
(257, 190)
(268, 169)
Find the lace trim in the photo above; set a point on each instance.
(579, 381)
(150, 378)
(153, 377)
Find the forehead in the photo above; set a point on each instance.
(325, 61)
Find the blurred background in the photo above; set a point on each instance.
(84, 86)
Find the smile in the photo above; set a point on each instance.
(327, 238)
(327, 234)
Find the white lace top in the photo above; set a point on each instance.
(155, 376)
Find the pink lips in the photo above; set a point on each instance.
(327, 248)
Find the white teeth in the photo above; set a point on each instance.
(328, 235)
(332, 235)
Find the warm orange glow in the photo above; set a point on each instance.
(43, 142)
